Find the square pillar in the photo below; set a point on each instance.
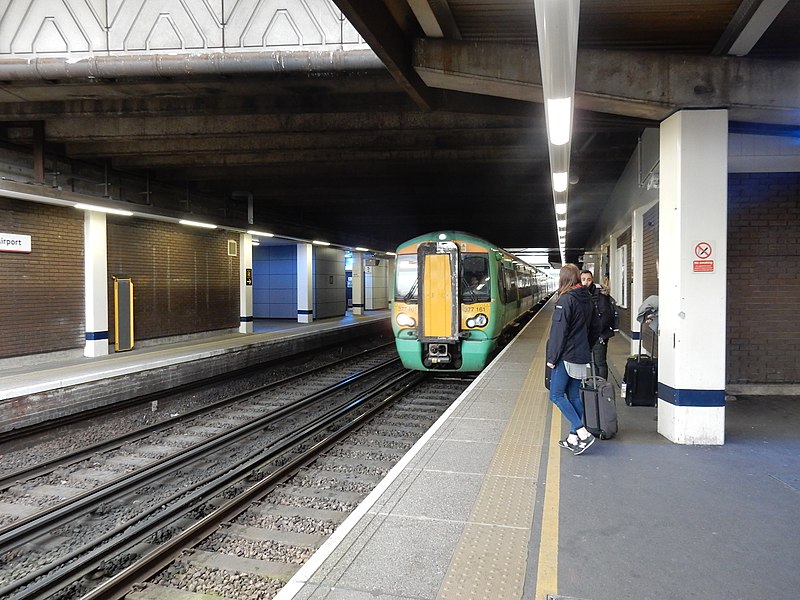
(358, 282)
(692, 276)
(95, 272)
(245, 283)
(305, 283)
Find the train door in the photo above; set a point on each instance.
(438, 298)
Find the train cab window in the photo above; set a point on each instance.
(475, 282)
(406, 278)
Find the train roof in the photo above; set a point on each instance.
(463, 236)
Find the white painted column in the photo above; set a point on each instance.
(305, 283)
(637, 287)
(358, 283)
(245, 283)
(95, 268)
(692, 282)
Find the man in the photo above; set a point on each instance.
(604, 305)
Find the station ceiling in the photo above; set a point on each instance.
(447, 133)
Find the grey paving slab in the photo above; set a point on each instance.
(394, 571)
(478, 430)
(495, 409)
(462, 457)
(440, 495)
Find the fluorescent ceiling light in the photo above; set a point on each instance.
(559, 120)
(561, 208)
(197, 224)
(255, 243)
(560, 182)
(104, 209)
(320, 243)
(360, 249)
(391, 254)
(562, 223)
(260, 233)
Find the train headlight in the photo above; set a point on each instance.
(479, 320)
(404, 320)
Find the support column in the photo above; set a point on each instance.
(95, 269)
(305, 283)
(358, 283)
(692, 282)
(245, 283)
(637, 287)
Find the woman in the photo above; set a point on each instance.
(573, 332)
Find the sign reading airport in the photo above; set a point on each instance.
(11, 242)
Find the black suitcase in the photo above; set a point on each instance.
(599, 406)
(640, 382)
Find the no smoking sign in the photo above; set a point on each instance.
(704, 263)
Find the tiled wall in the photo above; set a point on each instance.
(763, 294)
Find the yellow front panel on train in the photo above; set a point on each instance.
(438, 301)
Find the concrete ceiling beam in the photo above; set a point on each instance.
(635, 84)
(379, 29)
(102, 127)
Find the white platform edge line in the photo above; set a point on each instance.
(304, 574)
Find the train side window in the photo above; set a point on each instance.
(406, 278)
(509, 285)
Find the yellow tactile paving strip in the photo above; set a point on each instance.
(492, 556)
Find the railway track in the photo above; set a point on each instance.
(170, 504)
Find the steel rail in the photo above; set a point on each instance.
(90, 557)
(47, 466)
(30, 527)
(165, 553)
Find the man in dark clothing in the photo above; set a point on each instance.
(604, 306)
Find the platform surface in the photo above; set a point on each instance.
(487, 506)
(29, 375)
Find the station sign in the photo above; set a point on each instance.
(11, 242)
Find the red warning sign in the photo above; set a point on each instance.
(703, 266)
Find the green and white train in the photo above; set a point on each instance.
(458, 298)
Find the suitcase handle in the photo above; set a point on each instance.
(654, 349)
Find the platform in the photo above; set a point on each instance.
(34, 389)
(487, 506)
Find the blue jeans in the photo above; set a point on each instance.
(565, 393)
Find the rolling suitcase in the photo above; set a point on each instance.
(640, 382)
(599, 406)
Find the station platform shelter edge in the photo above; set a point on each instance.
(487, 505)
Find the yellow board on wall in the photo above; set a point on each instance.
(123, 314)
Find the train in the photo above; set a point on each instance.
(458, 299)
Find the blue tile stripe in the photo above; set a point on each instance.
(355, 305)
(92, 336)
(305, 312)
(635, 335)
(246, 319)
(707, 398)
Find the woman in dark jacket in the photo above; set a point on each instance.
(573, 332)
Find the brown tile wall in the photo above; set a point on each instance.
(650, 253)
(624, 313)
(763, 328)
(41, 293)
(183, 279)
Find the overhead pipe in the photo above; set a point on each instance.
(184, 65)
